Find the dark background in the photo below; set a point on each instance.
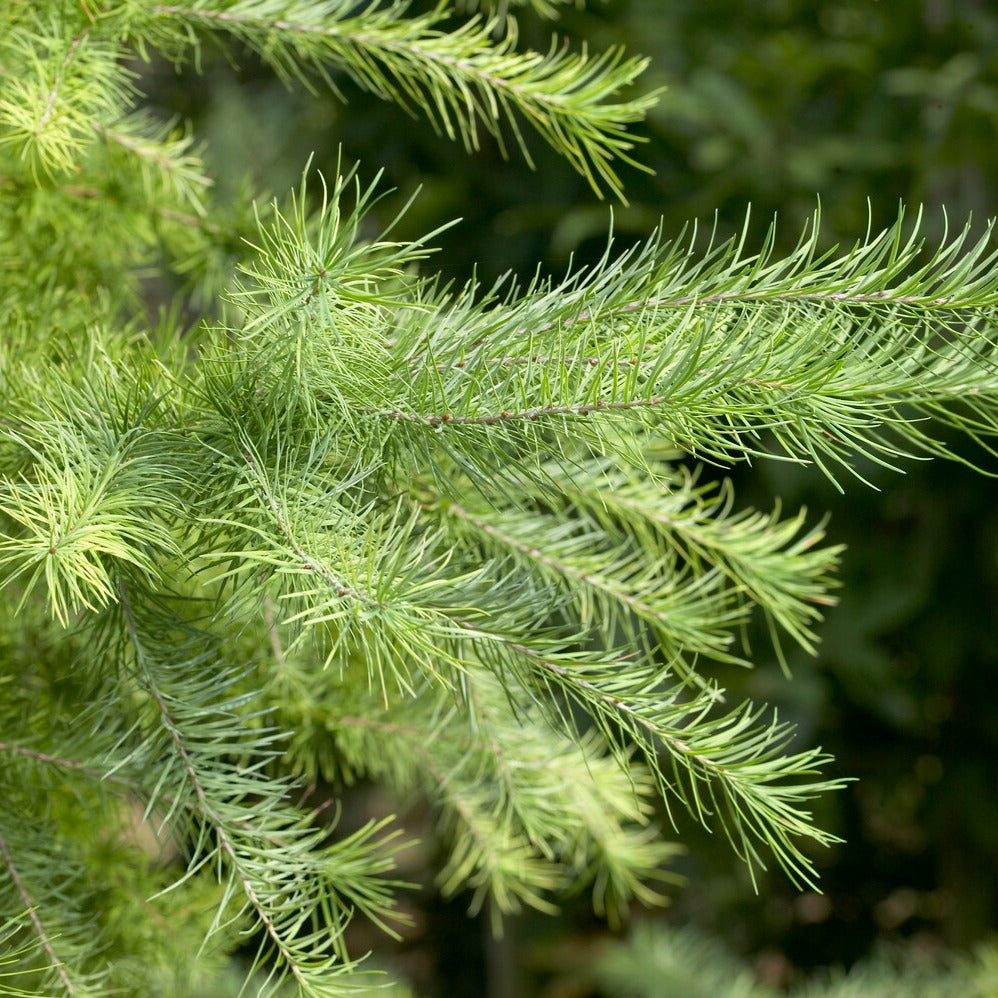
(779, 104)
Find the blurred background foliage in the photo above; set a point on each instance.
(855, 105)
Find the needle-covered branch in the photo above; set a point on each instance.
(343, 520)
(463, 78)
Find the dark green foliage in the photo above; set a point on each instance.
(655, 961)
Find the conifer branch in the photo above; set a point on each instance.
(31, 914)
(886, 269)
(729, 769)
(775, 563)
(53, 89)
(491, 419)
(513, 828)
(57, 928)
(302, 917)
(798, 370)
(688, 615)
(166, 159)
(462, 79)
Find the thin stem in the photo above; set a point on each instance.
(57, 83)
(540, 412)
(30, 906)
(566, 571)
(205, 805)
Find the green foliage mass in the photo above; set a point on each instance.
(654, 961)
(325, 517)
